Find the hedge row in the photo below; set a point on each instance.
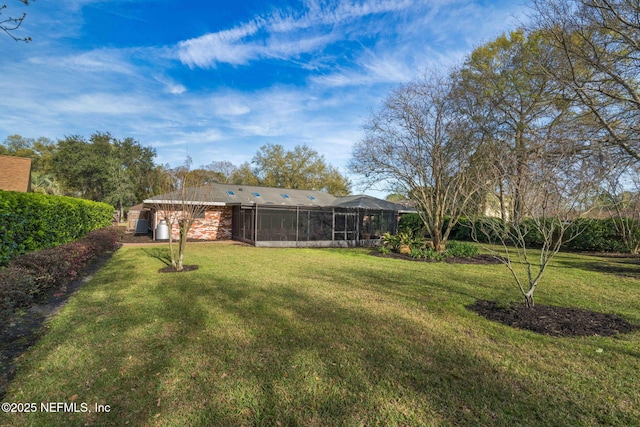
(594, 235)
(28, 277)
(32, 221)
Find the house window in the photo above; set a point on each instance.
(256, 194)
(284, 195)
(311, 197)
(231, 193)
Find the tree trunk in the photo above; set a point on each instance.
(438, 242)
(528, 299)
(184, 229)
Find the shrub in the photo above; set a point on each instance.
(384, 250)
(17, 287)
(31, 275)
(462, 230)
(417, 247)
(461, 249)
(33, 221)
(411, 223)
(401, 240)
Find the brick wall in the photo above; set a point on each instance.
(15, 173)
(216, 225)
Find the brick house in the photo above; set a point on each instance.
(15, 173)
(265, 216)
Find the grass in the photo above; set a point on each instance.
(314, 337)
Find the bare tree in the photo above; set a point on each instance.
(11, 24)
(598, 47)
(180, 205)
(554, 190)
(418, 144)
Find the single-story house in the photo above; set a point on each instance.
(264, 216)
(15, 173)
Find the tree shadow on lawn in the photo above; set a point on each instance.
(294, 360)
(161, 254)
(233, 353)
(628, 267)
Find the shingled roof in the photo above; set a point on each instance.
(231, 194)
(368, 202)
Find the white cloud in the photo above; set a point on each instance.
(282, 34)
(344, 56)
(225, 46)
(102, 103)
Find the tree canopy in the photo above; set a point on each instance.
(104, 168)
(301, 168)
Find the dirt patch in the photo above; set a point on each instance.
(129, 237)
(554, 321)
(24, 328)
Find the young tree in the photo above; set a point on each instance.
(181, 203)
(45, 184)
(554, 190)
(420, 144)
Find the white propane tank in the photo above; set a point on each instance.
(162, 231)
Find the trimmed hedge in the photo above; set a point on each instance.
(600, 236)
(592, 235)
(30, 276)
(33, 221)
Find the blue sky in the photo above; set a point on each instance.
(219, 79)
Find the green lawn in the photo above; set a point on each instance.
(315, 337)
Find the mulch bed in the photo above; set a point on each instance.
(482, 259)
(543, 319)
(185, 268)
(554, 321)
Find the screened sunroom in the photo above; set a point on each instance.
(327, 226)
(266, 216)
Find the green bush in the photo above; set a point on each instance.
(30, 276)
(589, 235)
(411, 223)
(461, 249)
(33, 221)
(596, 235)
(403, 238)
